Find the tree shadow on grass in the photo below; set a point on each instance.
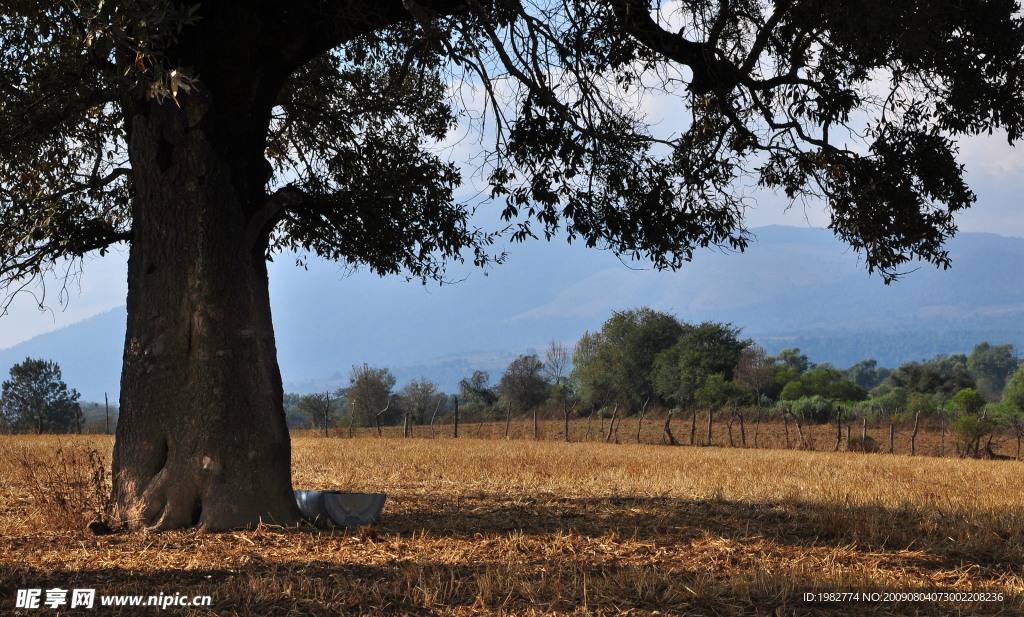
(992, 540)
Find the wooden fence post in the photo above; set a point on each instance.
(892, 438)
(799, 430)
(839, 427)
(693, 428)
(711, 414)
(668, 430)
(864, 436)
(913, 436)
(639, 425)
(611, 425)
(456, 417)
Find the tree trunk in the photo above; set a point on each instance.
(202, 438)
(743, 432)
(586, 437)
(785, 422)
(456, 436)
(536, 432)
(757, 426)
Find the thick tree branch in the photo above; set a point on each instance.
(265, 218)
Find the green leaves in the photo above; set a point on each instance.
(355, 127)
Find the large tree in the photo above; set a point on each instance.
(992, 366)
(210, 138)
(619, 367)
(35, 399)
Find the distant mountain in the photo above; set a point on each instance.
(794, 287)
(89, 353)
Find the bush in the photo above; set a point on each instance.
(968, 401)
(70, 489)
(967, 431)
(867, 444)
(814, 409)
(793, 391)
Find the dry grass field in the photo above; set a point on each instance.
(488, 526)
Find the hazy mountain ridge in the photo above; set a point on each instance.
(794, 287)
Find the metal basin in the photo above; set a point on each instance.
(341, 509)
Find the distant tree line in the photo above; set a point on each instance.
(640, 359)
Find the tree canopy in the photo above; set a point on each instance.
(944, 375)
(992, 366)
(775, 92)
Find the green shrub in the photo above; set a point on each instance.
(968, 431)
(793, 391)
(814, 409)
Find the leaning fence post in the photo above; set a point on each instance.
(611, 426)
(667, 430)
(639, 424)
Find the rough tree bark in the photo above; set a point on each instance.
(202, 437)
